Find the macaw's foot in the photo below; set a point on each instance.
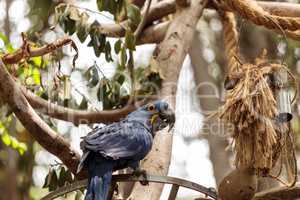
(141, 173)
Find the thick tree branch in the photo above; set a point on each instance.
(76, 116)
(154, 33)
(39, 130)
(169, 57)
(280, 193)
(167, 7)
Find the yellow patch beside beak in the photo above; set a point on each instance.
(153, 118)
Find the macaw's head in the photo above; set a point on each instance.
(157, 114)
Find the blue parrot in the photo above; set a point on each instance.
(120, 145)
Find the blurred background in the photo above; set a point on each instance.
(199, 153)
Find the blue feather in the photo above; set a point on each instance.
(116, 146)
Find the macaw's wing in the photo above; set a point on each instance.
(121, 140)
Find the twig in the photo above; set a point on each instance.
(24, 53)
(76, 116)
(141, 25)
(92, 11)
(88, 100)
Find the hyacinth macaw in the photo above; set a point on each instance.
(120, 145)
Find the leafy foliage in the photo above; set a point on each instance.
(9, 140)
(7, 45)
(114, 7)
(71, 20)
(58, 178)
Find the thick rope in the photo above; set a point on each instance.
(230, 37)
(250, 10)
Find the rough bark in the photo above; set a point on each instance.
(39, 130)
(217, 144)
(169, 56)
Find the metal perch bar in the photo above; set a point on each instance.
(176, 182)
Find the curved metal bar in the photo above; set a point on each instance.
(130, 178)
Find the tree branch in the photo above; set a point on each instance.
(25, 51)
(154, 33)
(156, 12)
(183, 3)
(280, 193)
(39, 130)
(143, 22)
(76, 116)
(169, 57)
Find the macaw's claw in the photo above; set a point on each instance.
(143, 174)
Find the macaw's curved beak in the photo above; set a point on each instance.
(168, 118)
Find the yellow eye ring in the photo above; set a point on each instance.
(151, 107)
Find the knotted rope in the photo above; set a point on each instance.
(251, 105)
(250, 10)
(230, 37)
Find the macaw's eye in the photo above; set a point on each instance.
(151, 107)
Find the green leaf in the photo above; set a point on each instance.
(48, 179)
(98, 40)
(22, 147)
(14, 143)
(82, 27)
(37, 60)
(103, 90)
(100, 5)
(92, 76)
(70, 26)
(134, 14)
(36, 76)
(69, 177)
(11, 141)
(82, 32)
(123, 58)
(111, 6)
(6, 139)
(62, 177)
(108, 57)
(120, 78)
(8, 46)
(62, 22)
(53, 181)
(130, 40)
(117, 46)
(84, 104)
(45, 95)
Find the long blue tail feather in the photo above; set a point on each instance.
(98, 187)
(100, 174)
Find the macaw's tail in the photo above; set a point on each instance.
(98, 187)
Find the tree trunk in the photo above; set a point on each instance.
(217, 143)
(169, 57)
